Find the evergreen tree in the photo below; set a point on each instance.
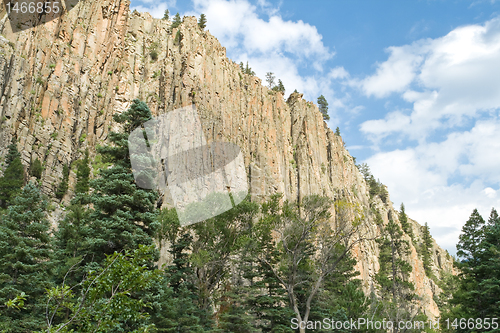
(265, 299)
(270, 79)
(341, 297)
(488, 305)
(12, 153)
(280, 87)
(83, 175)
(36, 169)
(123, 215)
(403, 219)
(397, 296)
(323, 108)
(177, 21)
(63, 185)
(337, 131)
(469, 244)
(187, 316)
(426, 248)
(202, 23)
(13, 176)
(248, 70)
(166, 15)
(25, 266)
(479, 284)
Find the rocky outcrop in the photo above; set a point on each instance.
(62, 82)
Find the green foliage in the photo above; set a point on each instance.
(270, 79)
(403, 219)
(323, 108)
(153, 51)
(177, 21)
(36, 169)
(25, 266)
(202, 22)
(246, 70)
(166, 15)
(83, 175)
(398, 301)
(279, 87)
(337, 131)
(376, 187)
(63, 185)
(83, 137)
(426, 250)
(13, 176)
(479, 283)
(110, 298)
(123, 215)
(177, 38)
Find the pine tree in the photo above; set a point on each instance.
(323, 108)
(265, 299)
(397, 296)
(337, 131)
(36, 169)
(479, 284)
(13, 153)
(166, 15)
(202, 23)
(25, 266)
(248, 70)
(280, 87)
(13, 176)
(177, 21)
(270, 79)
(183, 312)
(426, 248)
(123, 215)
(488, 270)
(341, 297)
(403, 219)
(63, 185)
(470, 240)
(83, 175)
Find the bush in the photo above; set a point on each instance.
(178, 37)
(153, 54)
(36, 169)
(63, 186)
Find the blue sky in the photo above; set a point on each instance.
(414, 87)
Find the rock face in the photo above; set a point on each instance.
(62, 82)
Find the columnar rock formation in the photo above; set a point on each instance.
(62, 82)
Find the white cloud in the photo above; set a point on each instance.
(395, 74)
(422, 177)
(154, 7)
(449, 80)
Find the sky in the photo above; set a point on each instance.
(414, 87)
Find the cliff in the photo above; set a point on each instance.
(61, 83)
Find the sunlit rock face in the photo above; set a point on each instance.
(62, 81)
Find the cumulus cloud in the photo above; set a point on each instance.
(422, 177)
(449, 80)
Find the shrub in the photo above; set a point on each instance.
(36, 169)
